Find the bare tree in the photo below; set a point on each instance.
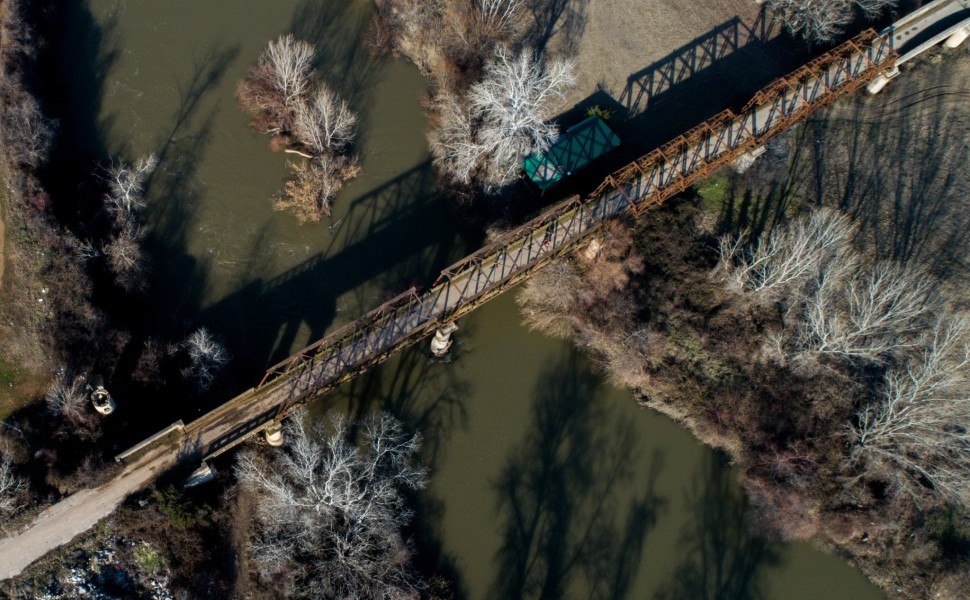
(456, 151)
(325, 125)
(820, 21)
(496, 17)
(126, 258)
(786, 258)
(310, 192)
(67, 398)
(126, 184)
(24, 128)
(12, 489)
(280, 81)
(307, 119)
(517, 95)
(548, 299)
(329, 513)
(872, 315)
(207, 356)
(918, 433)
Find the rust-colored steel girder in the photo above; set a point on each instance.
(643, 183)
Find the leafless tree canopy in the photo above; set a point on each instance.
(918, 433)
(502, 119)
(207, 356)
(496, 17)
(280, 81)
(839, 304)
(124, 202)
(325, 124)
(785, 259)
(329, 512)
(307, 118)
(12, 489)
(822, 21)
(126, 184)
(67, 398)
(308, 195)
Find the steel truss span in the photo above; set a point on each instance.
(462, 287)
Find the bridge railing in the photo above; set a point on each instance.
(644, 183)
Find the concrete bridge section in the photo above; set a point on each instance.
(353, 349)
(946, 21)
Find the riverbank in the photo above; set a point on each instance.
(657, 317)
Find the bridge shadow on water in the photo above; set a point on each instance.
(384, 240)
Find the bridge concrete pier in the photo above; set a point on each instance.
(875, 86)
(744, 162)
(274, 435)
(201, 475)
(441, 342)
(957, 38)
(592, 249)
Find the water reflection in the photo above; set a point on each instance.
(722, 558)
(563, 527)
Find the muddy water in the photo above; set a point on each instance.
(545, 481)
(224, 258)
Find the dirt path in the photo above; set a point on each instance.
(62, 522)
(621, 37)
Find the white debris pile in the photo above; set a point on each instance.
(102, 575)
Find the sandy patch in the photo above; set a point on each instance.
(622, 37)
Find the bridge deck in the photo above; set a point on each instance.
(647, 182)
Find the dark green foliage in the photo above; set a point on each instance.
(950, 527)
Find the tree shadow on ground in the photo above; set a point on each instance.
(722, 559)
(899, 165)
(558, 22)
(565, 533)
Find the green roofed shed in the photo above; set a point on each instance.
(580, 145)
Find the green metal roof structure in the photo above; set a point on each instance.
(580, 145)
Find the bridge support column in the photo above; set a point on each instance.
(441, 342)
(957, 38)
(201, 475)
(274, 435)
(592, 249)
(744, 162)
(875, 86)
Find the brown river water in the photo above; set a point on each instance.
(546, 481)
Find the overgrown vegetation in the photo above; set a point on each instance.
(67, 257)
(492, 88)
(288, 101)
(821, 21)
(822, 341)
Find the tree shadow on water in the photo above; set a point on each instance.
(722, 558)
(565, 531)
(337, 29)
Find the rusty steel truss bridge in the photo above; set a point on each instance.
(466, 285)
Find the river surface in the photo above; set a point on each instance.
(546, 481)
